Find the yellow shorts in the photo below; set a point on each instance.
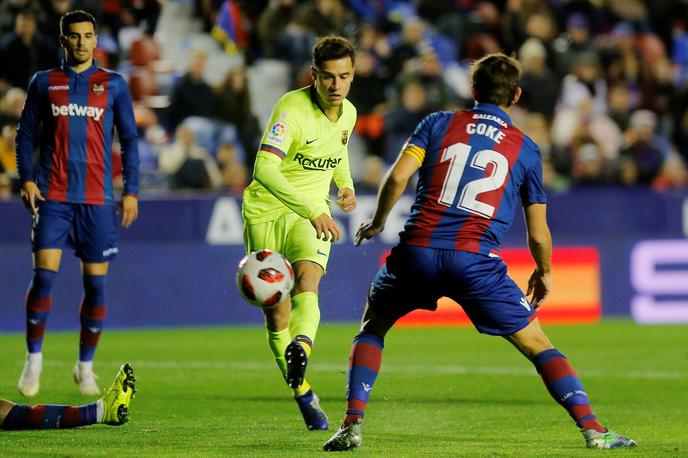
(292, 236)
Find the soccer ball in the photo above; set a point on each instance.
(264, 278)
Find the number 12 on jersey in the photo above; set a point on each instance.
(457, 155)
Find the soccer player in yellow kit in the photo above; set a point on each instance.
(287, 207)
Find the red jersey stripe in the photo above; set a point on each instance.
(95, 161)
(510, 148)
(431, 207)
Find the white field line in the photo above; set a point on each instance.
(386, 368)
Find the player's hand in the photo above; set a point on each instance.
(326, 228)
(347, 199)
(368, 229)
(29, 194)
(539, 286)
(130, 209)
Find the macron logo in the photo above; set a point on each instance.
(63, 87)
(77, 110)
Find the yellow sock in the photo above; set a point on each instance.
(303, 325)
(278, 341)
(303, 389)
(304, 318)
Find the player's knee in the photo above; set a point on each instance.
(306, 280)
(48, 259)
(42, 282)
(94, 289)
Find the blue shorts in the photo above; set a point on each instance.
(416, 277)
(90, 230)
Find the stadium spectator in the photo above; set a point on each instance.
(408, 45)
(369, 38)
(368, 96)
(572, 43)
(584, 88)
(403, 118)
(6, 191)
(192, 96)
(294, 46)
(8, 150)
(11, 104)
(373, 171)
(49, 22)
(234, 107)
(234, 171)
(620, 106)
(272, 24)
(25, 51)
(188, 164)
(540, 86)
(322, 17)
(8, 11)
(426, 69)
(674, 174)
(644, 146)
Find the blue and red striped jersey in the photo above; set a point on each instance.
(78, 113)
(476, 169)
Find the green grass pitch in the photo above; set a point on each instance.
(441, 392)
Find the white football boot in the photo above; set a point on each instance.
(346, 438)
(85, 378)
(30, 378)
(610, 439)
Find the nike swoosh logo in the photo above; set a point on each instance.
(320, 252)
(308, 142)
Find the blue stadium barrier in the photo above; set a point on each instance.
(176, 264)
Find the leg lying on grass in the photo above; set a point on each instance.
(111, 409)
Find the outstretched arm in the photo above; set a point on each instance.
(393, 186)
(540, 245)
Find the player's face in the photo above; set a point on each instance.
(79, 41)
(333, 81)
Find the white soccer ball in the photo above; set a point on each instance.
(264, 278)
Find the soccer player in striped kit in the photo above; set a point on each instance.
(475, 168)
(70, 192)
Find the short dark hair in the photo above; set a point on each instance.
(495, 79)
(332, 47)
(72, 17)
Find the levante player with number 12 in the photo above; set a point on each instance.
(475, 169)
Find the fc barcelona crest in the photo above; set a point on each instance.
(98, 89)
(345, 137)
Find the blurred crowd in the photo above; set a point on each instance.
(605, 82)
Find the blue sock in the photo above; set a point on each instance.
(38, 304)
(563, 384)
(50, 416)
(364, 365)
(93, 311)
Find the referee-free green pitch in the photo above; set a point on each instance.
(441, 392)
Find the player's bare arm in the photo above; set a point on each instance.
(392, 188)
(29, 194)
(130, 209)
(540, 245)
(346, 200)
